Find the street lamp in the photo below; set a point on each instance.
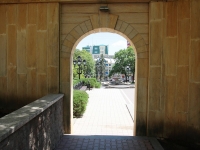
(79, 62)
(127, 72)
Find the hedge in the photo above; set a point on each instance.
(80, 100)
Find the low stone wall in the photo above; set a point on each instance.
(38, 125)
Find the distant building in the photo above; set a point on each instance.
(128, 44)
(97, 50)
(87, 48)
(109, 64)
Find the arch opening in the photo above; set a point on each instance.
(73, 31)
(129, 98)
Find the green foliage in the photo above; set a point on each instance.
(100, 64)
(76, 81)
(80, 100)
(92, 81)
(123, 58)
(97, 85)
(89, 62)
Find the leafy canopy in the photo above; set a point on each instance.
(124, 58)
(89, 62)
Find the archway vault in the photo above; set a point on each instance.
(74, 30)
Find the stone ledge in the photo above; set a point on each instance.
(13, 121)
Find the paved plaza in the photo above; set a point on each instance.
(106, 114)
(106, 125)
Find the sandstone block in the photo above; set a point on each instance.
(42, 52)
(183, 41)
(156, 42)
(142, 94)
(171, 10)
(3, 19)
(31, 45)
(53, 80)
(21, 52)
(52, 13)
(142, 68)
(123, 27)
(156, 11)
(155, 123)
(170, 55)
(32, 13)
(154, 94)
(12, 14)
(22, 88)
(195, 63)
(42, 85)
(31, 85)
(182, 89)
(12, 45)
(42, 16)
(195, 21)
(3, 55)
(194, 105)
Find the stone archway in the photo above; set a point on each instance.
(72, 34)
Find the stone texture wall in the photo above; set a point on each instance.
(42, 132)
(79, 1)
(166, 36)
(29, 53)
(174, 75)
(80, 20)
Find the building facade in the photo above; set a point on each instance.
(97, 50)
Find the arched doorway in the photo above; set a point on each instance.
(92, 21)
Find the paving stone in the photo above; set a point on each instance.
(105, 127)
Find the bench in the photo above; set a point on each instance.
(83, 88)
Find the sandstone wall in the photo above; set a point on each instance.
(166, 36)
(174, 76)
(29, 53)
(80, 20)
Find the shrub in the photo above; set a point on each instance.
(92, 81)
(97, 85)
(80, 100)
(76, 81)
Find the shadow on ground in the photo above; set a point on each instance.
(177, 145)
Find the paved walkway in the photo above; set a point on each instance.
(106, 114)
(106, 125)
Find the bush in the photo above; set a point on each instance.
(76, 81)
(80, 100)
(92, 81)
(97, 85)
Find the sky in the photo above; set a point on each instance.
(114, 41)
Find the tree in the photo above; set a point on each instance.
(124, 58)
(100, 67)
(85, 55)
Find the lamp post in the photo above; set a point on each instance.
(81, 63)
(127, 72)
